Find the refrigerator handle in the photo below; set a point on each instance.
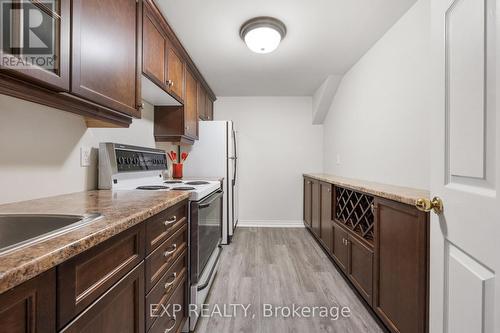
(235, 157)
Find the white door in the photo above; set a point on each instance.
(465, 238)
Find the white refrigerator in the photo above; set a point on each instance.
(215, 155)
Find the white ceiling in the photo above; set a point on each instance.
(325, 37)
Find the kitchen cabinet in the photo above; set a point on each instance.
(120, 309)
(154, 46)
(105, 53)
(98, 62)
(205, 104)
(209, 109)
(30, 307)
(401, 266)
(307, 202)
(360, 266)
(175, 72)
(340, 246)
(382, 247)
(191, 106)
(316, 208)
(54, 71)
(84, 278)
(326, 216)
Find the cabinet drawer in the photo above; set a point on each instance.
(161, 226)
(82, 279)
(164, 289)
(170, 321)
(360, 268)
(120, 309)
(159, 262)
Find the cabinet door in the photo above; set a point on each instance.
(316, 208)
(307, 202)
(30, 307)
(360, 267)
(104, 53)
(202, 98)
(401, 266)
(50, 64)
(175, 73)
(190, 106)
(326, 216)
(120, 309)
(340, 249)
(209, 109)
(154, 54)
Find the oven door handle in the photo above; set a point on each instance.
(212, 198)
(205, 284)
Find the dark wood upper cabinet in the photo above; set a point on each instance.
(30, 307)
(154, 56)
(307, 202)
(326, 216)
(202, 102)
(316, 208)
(53, 57)
(191, 106)
(105, 46)
(401, 266)
(209, 109)
(176, 72)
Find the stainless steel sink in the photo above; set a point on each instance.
(20, 230)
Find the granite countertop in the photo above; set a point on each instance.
(401, 194)
(120, 209)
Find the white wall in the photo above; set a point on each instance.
(379, 119)
(276, 144)
(40, 149)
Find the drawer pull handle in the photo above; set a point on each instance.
(174, 318)
(168, 284)
(169, 252)
(170, 221)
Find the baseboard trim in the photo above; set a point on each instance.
(270, 224)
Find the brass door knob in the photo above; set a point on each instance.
(426, 205)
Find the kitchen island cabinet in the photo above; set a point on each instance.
(379, 241)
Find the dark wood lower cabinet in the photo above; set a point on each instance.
(120, 309)
(316, 208)
(326, 216)
(360, 267)
(307, 202)
(107, 287)
(340, 250)
(382, 247)
(30, 307)
(401, 266)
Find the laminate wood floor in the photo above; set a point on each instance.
(280, 267)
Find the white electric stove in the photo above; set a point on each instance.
(130, 168)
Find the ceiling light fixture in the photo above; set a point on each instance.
(263, 34)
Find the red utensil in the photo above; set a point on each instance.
(184, 156)
(174, 155)
(171, 157)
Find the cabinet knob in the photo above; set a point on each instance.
(169, 252)
(170, 83)
(170, 221)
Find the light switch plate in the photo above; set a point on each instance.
(85, 153)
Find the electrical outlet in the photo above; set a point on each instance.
(338, 159)
(85, 153)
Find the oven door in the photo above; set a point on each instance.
(206, 232)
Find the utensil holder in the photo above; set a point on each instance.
(177, 170)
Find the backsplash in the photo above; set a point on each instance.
(40, 149)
